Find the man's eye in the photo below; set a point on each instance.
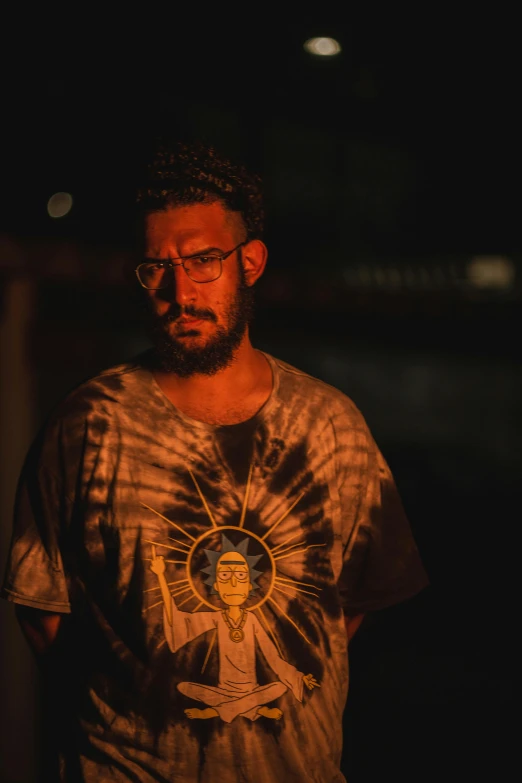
(155, 267)
(202, 260)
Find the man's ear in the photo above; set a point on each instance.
(253, 256)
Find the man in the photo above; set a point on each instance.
(204, 451)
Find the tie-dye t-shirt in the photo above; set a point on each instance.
(205, 570)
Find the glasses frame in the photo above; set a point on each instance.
(169, 264)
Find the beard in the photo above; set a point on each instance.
(169, 354)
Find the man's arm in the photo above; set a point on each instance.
(40, 628)
(352, 623)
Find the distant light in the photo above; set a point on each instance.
(394, 278)
(439, 278)
(380, 276)
(324, 47)
(410, 278)
(59, 205)
(424, 277)
(365, 275)
(491, 272)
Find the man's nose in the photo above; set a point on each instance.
(182, 289)
(233, 580)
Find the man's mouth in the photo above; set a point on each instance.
(189, 317)
(188, 321)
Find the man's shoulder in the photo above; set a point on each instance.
(111, 387)
(320, 395)
(88, 411)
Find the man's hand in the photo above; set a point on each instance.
(157, 565)
(40, 628)
(352, 623)
(310, 682)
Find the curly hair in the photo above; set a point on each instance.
(182, 174)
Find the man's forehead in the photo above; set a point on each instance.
(206, 223)
(191, 218)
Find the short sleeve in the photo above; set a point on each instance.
(381, 561)
(34, 574)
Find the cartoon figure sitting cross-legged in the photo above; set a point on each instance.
(232, 575)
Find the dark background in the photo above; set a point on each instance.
(388, 170)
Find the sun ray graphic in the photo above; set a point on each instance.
(283, 516)
(283, 584)
(288, 549)
(284, 543)
(180, 543)
(169, 521)
(200, 493)
(192, 590)
(179, 562)
(176, 582)
(182, 603)
(166, 546)
(158, 603)
(297, 551)
(180, 591)
(295, 581)
(282, 590)
(247, 494)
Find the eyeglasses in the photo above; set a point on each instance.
(155, 275)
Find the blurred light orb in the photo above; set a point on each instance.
(59, 205)
(323, 47)
(491, 272)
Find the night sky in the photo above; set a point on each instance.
(84, 98)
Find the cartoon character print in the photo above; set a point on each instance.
(231, 575)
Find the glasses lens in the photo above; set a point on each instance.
(153, 275)
(203, 269)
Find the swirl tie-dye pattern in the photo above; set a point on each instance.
(125, 510)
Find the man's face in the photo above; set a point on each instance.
(197, 327)
(233, 579)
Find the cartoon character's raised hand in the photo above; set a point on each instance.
(157, 565)
(310, 681)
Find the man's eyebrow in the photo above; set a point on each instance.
(205, 252)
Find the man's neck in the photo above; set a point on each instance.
(229, 396)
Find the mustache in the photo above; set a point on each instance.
(175, 312)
